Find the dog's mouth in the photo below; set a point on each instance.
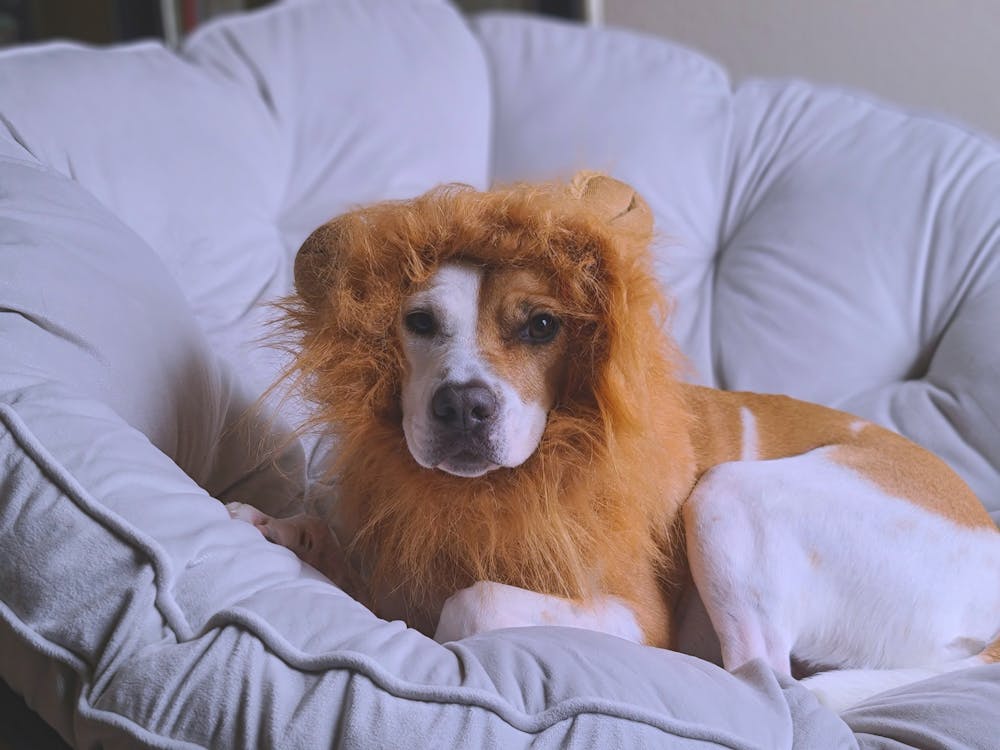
(461, 454)
(467, 463)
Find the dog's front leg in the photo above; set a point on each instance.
(486, 606)
(310, 538)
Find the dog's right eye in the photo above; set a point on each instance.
(420, 323)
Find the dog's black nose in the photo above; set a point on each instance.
(463, 405)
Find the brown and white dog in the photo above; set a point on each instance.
(515, 448)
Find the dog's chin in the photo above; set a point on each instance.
(467, 465)
(461, 463)
(469, 458)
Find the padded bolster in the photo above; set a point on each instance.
(86, 305)
(371, 99)
(956, 711)
(167, 625)
(144, 152)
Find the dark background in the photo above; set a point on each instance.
(109, 21)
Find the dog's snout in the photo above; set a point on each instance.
(463, 405)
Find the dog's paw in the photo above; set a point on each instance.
(244, 512)
(309, 538)
(477, 609)
(487, 606)
(271, 528)
(614, 617)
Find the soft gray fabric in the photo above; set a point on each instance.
(150, 202)
(958, 711)
(133, 658)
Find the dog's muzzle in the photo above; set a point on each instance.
(464, 416)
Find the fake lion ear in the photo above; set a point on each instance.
(314, 264)
(614, 201)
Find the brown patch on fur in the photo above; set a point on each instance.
(903, 469)
(508, 299)
(787, 427)
(595, 508)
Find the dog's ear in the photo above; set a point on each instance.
(315, 263)
(614, 201)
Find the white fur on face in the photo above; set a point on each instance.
(452, 355)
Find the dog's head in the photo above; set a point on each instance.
(485, 362)
(470, 320)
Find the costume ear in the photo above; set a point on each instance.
(614, 201)
(315, 262)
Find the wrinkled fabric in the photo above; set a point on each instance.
(150, 206)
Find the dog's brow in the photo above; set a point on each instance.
(452, 294)
(419, 300)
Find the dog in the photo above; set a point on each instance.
(516, 446)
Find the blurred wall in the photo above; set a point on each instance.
(930, 55)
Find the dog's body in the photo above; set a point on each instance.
(516, 448)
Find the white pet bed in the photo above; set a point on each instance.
(817, 244)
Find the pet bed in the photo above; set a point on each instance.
(816, 243)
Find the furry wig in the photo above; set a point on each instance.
(600, 494)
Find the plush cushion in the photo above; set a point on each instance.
(650, 113)
(151, 202)
(815, 243)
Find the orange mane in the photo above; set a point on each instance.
(599, 496)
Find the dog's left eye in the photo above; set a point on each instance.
(421, 323)
(541, 328)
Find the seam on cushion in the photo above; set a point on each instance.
(940, 393)
(15, 134)
(109, 718)
(459, 695)
(637, 44)
(72, 489)
(44, 48)
(228, 22)
(50, 326)
(259, 80)
(270, 638)
(362, 665)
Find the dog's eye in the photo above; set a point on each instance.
(420, 323)
(541, 328)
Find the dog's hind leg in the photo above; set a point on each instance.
(744, 594)
(805, 558)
